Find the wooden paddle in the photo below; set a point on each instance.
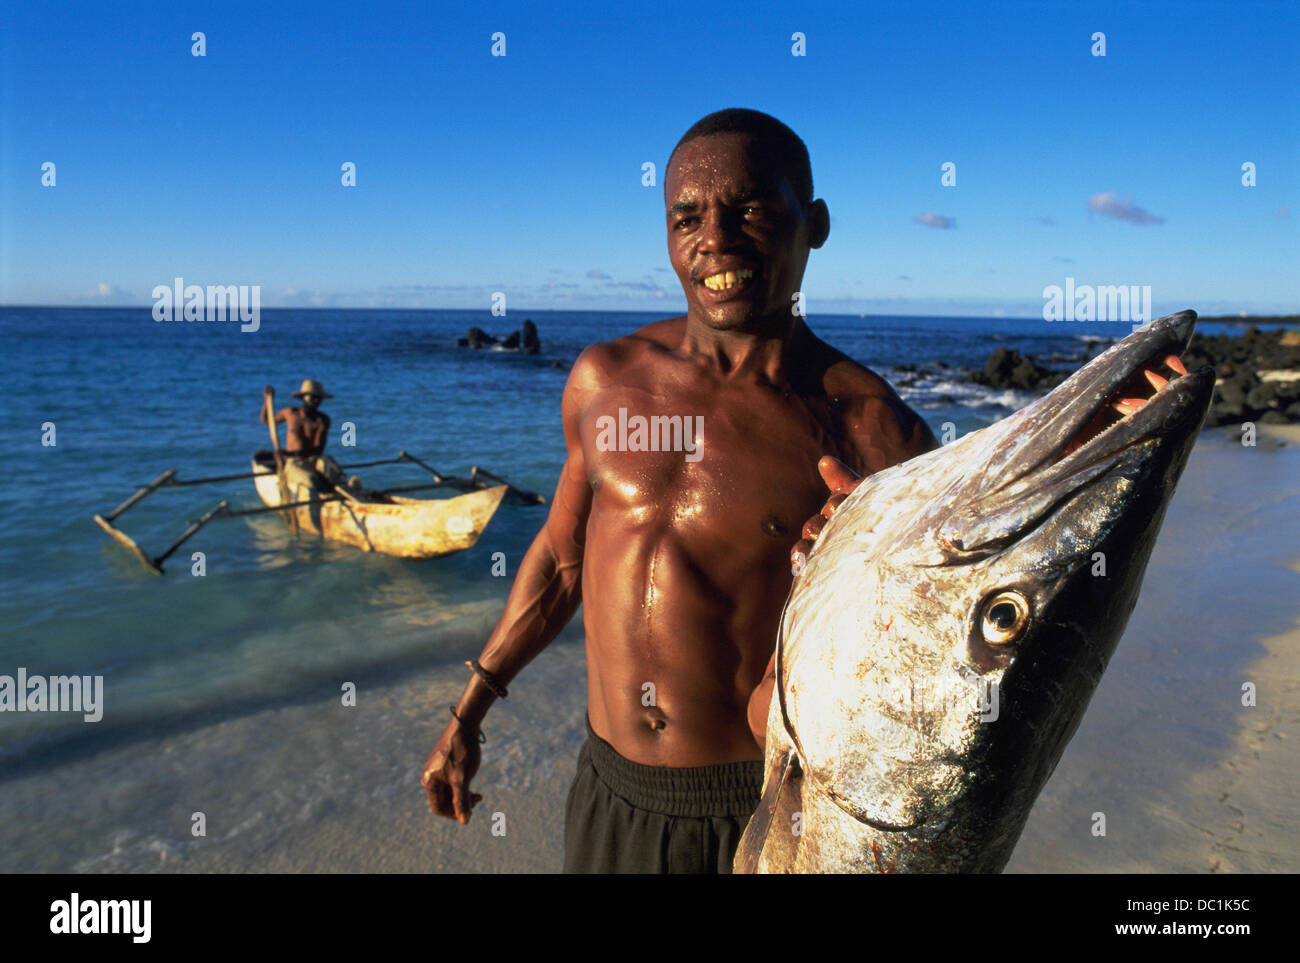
(292, 513)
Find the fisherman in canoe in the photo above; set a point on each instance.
(306, 432)
(678, 541)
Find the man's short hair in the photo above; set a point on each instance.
(771, 138)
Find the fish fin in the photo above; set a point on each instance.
(755, 836)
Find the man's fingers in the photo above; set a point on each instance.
(841, 480)
(799, 556)
(460, 801)
(838, 476)
(833, 503)
(439, 798)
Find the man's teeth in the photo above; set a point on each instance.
(726, 279)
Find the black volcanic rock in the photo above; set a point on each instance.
(476, 338)
(525, 340)
(1234, 389)
(1263, 395)
(1242, 395)
(1008, 368)
(532, 343)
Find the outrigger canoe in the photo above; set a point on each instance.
(378, 522)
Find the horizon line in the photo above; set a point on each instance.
(827, 314)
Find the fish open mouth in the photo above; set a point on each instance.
(1137, 393)
(1137, 389)
(1133, 386)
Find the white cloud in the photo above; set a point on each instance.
(1108, 203)
(936, 220)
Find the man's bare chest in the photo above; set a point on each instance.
(728, 461)
(308, 426)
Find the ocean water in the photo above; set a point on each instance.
(277, 619)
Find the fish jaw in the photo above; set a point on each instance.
(885, 676)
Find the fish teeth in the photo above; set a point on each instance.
(1126, 406)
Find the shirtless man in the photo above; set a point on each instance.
(684, 558)
(304, 439)
(308, 426)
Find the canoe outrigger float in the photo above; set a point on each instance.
(376, 521)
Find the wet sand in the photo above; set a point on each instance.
(1188, 778)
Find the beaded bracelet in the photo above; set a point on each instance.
(488, 679)
(464, 725)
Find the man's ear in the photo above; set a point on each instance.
(819, 224)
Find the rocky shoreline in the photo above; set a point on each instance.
(1258, 374)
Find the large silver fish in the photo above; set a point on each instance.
(955, 615)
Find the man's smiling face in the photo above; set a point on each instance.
(738, 237)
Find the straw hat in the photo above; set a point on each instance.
(310, 387)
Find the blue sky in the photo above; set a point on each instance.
(522, 173)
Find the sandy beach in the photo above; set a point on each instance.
(1188, 778)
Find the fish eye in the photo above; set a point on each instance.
(1006, 615)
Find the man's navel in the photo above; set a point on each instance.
(655, 719)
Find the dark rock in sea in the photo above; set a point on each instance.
(1007, 368)
(1272, 417)
(1293, 411)
(525, 339)
(532, 343)
(998, 368)
(1024, 374)
(476, 338)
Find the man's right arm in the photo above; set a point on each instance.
(545, 595)
(282, 415)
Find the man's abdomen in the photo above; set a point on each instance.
(677, 638)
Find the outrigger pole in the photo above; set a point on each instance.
(521, 496)
(153, 564)
(106, 523)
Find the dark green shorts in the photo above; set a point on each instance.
(623, 817)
